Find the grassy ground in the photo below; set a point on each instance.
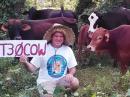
(103, 82)
(95, 81)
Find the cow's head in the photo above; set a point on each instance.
(14, 27)
(93, 19)
(99, 40)
(83, 37)
(31, 13)
(69, 14)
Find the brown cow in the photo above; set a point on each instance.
(83, 39)
(116, 42)
(34, 29)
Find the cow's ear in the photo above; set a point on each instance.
(4, 28)
(26, 27)
(107, 37)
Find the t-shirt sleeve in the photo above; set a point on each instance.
(36, 61)
(72, 60)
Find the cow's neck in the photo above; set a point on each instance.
(110, 45)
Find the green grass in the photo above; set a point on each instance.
(104, 81)
(95, 81)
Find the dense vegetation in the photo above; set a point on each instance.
(97, 80)
(97, 76)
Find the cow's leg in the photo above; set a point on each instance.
(115, 63)
(123, 67)
(79, 51)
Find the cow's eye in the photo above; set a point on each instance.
(99, 38)
(92, 17)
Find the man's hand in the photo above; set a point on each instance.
(68, 76)
(23, 59)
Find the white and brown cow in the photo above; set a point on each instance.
(109, 20)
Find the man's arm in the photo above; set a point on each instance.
(30, 67)
(72, 70)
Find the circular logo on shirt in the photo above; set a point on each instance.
(56, 66)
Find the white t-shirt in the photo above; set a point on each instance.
(53, 65)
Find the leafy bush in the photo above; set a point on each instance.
(14, 79)
(102, 82)
(10, 8)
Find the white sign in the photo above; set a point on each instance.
(16, 48)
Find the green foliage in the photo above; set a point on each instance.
(86, 7)
(103, 82)
(83, 4)
(89, 59)
(59, 91)
(40, 4)
(14, 80)
(10, 8)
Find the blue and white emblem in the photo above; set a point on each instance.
(56, 66)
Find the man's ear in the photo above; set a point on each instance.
(107, 37)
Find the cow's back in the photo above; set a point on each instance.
(39, 27)
(112, 20)
(121, 37)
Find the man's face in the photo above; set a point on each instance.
(57, 39)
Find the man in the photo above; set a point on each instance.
(57, 66)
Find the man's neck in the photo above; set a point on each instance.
(55, 46)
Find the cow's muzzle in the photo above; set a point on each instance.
(91, 48)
